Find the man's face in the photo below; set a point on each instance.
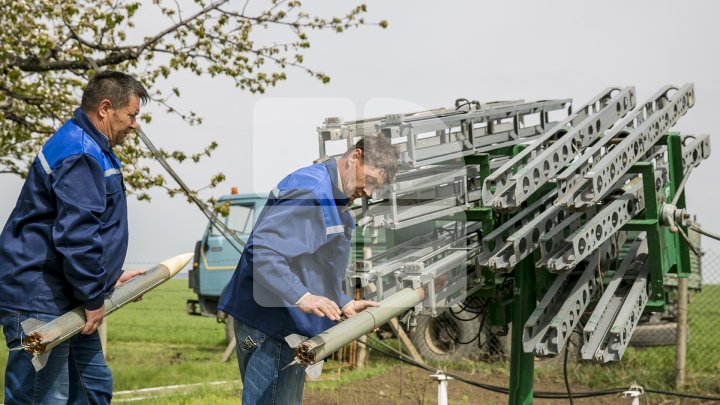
(122, 120)
(361, 179)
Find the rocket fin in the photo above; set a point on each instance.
(314, 371)
(30, 325)
(294, 340)
(39, 361)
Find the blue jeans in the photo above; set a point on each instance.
(262, 359)
(75, 373)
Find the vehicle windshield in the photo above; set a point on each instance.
(239, 220)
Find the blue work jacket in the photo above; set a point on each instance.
(65, 242)
(300, 243)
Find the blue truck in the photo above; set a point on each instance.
(216, 257)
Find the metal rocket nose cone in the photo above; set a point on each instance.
(176, 263)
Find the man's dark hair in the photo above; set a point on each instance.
(379, 153)
(114, 86)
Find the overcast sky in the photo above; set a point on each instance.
(432, 53)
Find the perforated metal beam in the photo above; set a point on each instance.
(615, 164)
(529, 170)
(601, 328)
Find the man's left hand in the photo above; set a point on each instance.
(355, 306)
(127, 276)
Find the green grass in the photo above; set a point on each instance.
(229, 394)
(160, 318)
(155, 343)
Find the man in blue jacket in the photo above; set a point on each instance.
(290, 275)
(65, 242)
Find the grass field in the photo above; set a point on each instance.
(154, 343)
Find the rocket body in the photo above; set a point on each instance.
(315, 349)
(41, 337)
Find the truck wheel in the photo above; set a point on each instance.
(651, 335)
(440, 338)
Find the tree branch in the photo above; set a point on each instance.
(116, 56)
(180, 23)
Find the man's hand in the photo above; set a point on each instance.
(320, 306)
(353, 307)
(93, 319)
(128, 275)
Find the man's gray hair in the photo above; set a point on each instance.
(378, 152)
(114, 86)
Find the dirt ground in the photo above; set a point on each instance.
(409, 385)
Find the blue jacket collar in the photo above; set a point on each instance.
(340, 197)
(82, 120)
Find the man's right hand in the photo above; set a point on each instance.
(320, 306)
(94, 319)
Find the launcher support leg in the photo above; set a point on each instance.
(522, 365)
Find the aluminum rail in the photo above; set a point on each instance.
(606, 223)
(551, 324)
(422, 195)
(573, 174)
(524, 241)
(439, 135)
(554, 241)
(533, 167)
(423, 258)
(696, 151)
(600, 328)
(615, 164)
(494, 241)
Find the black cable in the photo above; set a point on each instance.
(537, 394)
(465, 306)
(683, 395)
(461, 102)
(457, 339)
(565, 360)
(469, 308)
(494, 388)
(482, 323)
(565, 375)
(482, 326)
(455, 315)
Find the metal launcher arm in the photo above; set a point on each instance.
(569, 206)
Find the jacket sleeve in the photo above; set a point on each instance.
(78, 184)
(292, 226)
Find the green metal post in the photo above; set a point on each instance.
(675, 174)
(522, 367)
(484, 216)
